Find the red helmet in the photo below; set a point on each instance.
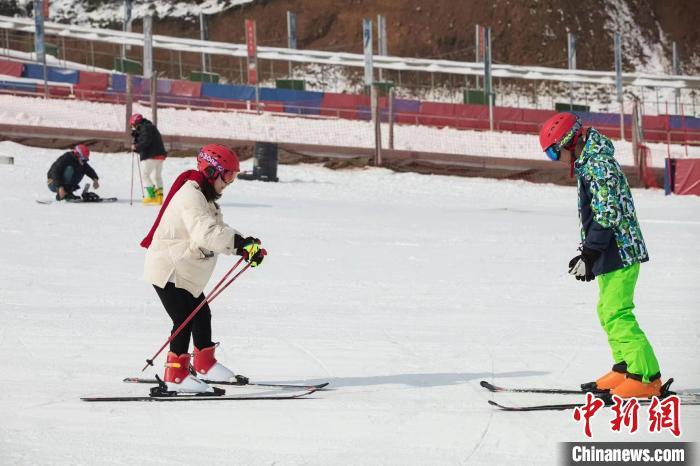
(135, 119)
(214, 160)
(82, 152)
(560, 131)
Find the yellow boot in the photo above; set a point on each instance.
(159, 196)
(150, 198)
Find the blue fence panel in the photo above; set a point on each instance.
(676, 122)
(118, 82)
(228, 91)
(602, 119)
(300, 102)
(406, 106)
(163, 86)
(17, 86)
(33, 71)
(61, 75)
(364, 112)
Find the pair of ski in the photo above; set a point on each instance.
(86, 196)
(687, 398)
(244, 391)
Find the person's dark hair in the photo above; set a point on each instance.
(209, 192)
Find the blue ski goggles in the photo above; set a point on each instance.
(553, 152)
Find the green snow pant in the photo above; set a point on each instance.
(627, 341)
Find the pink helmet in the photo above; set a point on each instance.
(214, 160)
(135, 119)
(82, 152)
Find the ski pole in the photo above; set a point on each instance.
(212, 295)
(138, 164)
(131, 196)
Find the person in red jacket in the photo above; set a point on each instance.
(183, 246)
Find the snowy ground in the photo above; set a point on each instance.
(401, 290)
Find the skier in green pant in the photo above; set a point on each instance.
(612, 250)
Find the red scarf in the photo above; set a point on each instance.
(184, 176)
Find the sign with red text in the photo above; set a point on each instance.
(251, 42)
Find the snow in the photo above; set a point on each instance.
(272, 127)
(641, 53)
(81, 12)
(401, 290)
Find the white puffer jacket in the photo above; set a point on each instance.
(188, 239)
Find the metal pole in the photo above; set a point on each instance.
(618, 82)
(129, 107)
(367, 47)
(381, 40)
(147, 47)
(39, 41)
(676, 71)
(154, 98)
(376, 117)
(257, 98)
(391, 118)
(477, 57)
(203, 36)
(126, 26)
(179, 62)
(658, 106)
(92, 54)
(487, 74)
(571, 52)
(291, 35)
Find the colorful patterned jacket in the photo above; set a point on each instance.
(606, 209)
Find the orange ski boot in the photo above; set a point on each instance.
(634, 387)
(608, 381)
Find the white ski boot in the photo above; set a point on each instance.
(178, 377)
(207, 367)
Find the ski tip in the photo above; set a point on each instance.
(488, 386)
(505, 408)
(321, 385)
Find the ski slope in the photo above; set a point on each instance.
(401, 290)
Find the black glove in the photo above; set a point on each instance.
(250, 249)
(581, 266)
(240, 242)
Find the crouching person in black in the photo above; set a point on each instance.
(66, 172)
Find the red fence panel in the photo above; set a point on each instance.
(436, 114)
(89, 80)
(343, 105)
(186, 88)
(56, 91)
(270, 106)
(11, 68)
(687, 177)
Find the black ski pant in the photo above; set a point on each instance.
(179, 304)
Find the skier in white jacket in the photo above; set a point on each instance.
(182, 248)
